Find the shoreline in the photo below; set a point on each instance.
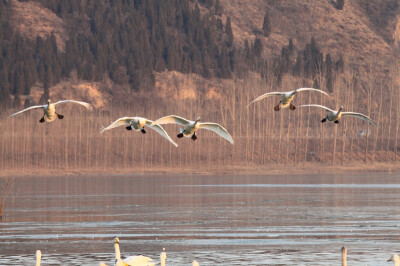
(300, 169)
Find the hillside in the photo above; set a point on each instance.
(363, 33)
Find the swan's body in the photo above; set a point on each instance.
(163, 257)
(38, 257)
(395, 258)
(334, 116)
(49, 109)
(344, 256)
(190, 127)
(286, 97)
(132, 260)
(138, 123)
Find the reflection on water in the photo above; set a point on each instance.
(227, 220)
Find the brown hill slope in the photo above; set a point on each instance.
(353, 32)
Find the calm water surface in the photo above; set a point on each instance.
(224, 220)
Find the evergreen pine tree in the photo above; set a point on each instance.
(266, 25)
(340, 4)
(229, 32)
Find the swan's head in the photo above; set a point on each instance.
(163, 255)
(395, 258)
(48, 101)
(116, 240)
(341, 107)
(344, 250)
(198, 119)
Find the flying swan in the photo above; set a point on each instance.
(190, 127)
(334, 116)
(132, 260)
(138, 123)
(49, 110)
(286, 99)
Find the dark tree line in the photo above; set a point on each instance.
(125, 40)
(128, 40)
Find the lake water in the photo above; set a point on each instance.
(224, 220)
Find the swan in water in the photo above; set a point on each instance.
(344, 256)
(334, 116)
(138, 123)
(190, 127)
(163, 257)
(395, 258)
(132, 260)
(286, 97)
(38, 257)
(49, 110)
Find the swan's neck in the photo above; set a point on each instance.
(117, 252)
(163, 257)
(344, 259)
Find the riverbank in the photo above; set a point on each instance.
(273, 169)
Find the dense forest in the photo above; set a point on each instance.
(127, 41)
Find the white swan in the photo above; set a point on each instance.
(344, 256)
(132, 260)
(195, 263)
(190, 127)
(49, 110)
(138, 123)
(38, 257)
(286, 97)
(163, 257)
(395, 258)
(334, 116)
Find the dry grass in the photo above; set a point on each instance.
(263, 138)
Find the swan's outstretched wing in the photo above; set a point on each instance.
(317, 105)
(119, 122)
(217, 129)
(311, 89)
(139, 260)
(171, 119)
(361, 116)
(266, 95)
(160, 130)
(29, 108)
(85, 104)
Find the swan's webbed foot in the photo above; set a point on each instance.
(41, 120)
(336, 121)
(60, 116)
(292, 107)
(180, 135)
(323, 120)
(143, 131)
(276, 108)
(128, 128)
(194, 137)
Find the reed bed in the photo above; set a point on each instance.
(262, 136)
